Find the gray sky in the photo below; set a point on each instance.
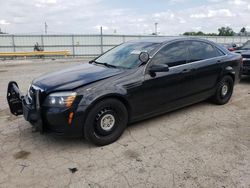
(123, 16)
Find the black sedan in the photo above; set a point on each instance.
(245, 52)
(131, 82)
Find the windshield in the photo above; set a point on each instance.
(126, 55)
(246, 46)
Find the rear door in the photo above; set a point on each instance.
(203, 60)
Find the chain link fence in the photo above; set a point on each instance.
(85, 45)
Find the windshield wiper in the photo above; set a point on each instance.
(105, 64)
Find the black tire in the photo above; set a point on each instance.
(222, 95)
(101, 132)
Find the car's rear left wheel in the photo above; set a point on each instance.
(105, 122)
(224, 90)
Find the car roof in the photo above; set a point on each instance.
(163, 40)
(156, 39)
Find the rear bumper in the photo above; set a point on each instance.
(50, 120)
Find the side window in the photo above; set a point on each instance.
(173, 54)
(201, 50)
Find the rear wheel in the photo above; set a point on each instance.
(106, 122)
(224, 90)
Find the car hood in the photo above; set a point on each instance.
(76, 76)
(243, 52)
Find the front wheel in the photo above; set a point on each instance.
(105, 122)
(224, 90)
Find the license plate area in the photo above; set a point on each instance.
(14, 98)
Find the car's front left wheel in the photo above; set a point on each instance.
(105, 122)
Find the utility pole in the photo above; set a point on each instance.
(101, 39)
(156, 28)
(101, 30)
(46, 28)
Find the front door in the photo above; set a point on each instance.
(160, 90)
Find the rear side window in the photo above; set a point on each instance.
(173, 54)
(201, 50)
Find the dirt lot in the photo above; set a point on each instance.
(203, 145)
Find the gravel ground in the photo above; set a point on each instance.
(203, 145)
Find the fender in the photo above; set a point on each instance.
(92, 96)
(120, 97)
(229, 70)
(105, 89)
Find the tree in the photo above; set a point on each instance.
(188, 33)
(211, 34)
(243, 31)
(2, 32)
(226, 31)
(199, 33)
(192, 33)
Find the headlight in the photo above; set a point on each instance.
(60, 99)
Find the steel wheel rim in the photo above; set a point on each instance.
(107, 122)
(224, 90)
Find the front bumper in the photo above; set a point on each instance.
(32, 115)
(56, 121)
(46, 119)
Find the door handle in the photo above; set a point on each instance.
(187, 70)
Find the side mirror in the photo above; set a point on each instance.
(158, 68)
(234, 45)
(144, 57)
(92, 61)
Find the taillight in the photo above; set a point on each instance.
(231, 49)
(241, 60)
